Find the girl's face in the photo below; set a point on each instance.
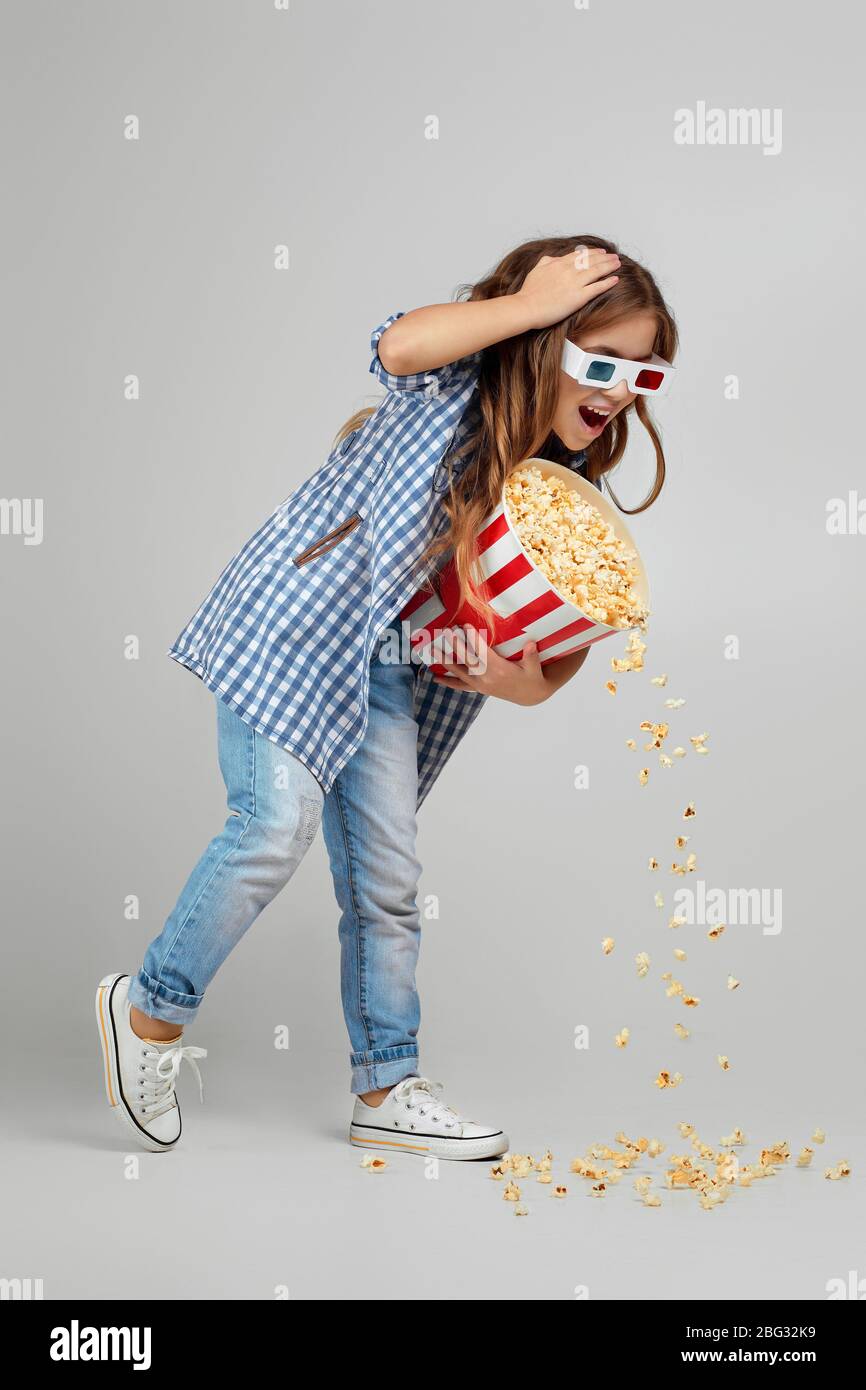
(584, 412)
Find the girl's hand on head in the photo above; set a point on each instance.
(557, 286)
(485, 672)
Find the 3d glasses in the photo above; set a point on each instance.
(650, 378)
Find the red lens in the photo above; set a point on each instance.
(649, 380)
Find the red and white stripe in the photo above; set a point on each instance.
(527, 606)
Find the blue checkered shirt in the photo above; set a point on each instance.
(286, 634)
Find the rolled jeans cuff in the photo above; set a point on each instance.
(385, 1066)
(153, 999)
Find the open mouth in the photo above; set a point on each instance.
(595, 420)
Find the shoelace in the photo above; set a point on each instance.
(415, 1090)
(158, 1080)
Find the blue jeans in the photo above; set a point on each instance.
(275, 807)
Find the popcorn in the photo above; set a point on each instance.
(611, 687)
(653, 864)
(689, 811)
(715, 932)
(674, 704)
(373, 1164)
(735, 1137)
(511, 1193)
(521, 1210)
(664, 1080)
(733, 982)
(621, 1039)
(680, 1031)
(576, 550)
(544, 1177)
(652, 1199)
(681, 841)
(679, 752)
(723, 1062)
(658, 680)
(642, 961)
(841, 1170)
(643, 776)
(779, 1153)
(630, 743)
(654, 1148)
(607, 945)
(804, 1157)
(598, 1190)
(664, 760)
(680, 955)
(819, 1136)
(643, 1183)
(659, 900)
(676, 922)
(498, 1171)
(559, 1192)
(690, 1001)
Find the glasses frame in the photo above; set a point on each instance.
(576, 362)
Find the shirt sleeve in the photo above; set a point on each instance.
(431, 382)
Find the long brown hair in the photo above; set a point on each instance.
(518, 386)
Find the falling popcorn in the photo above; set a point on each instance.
(715, 932)
(679, 752)
(611, 686)
(664, 760)
(659, 900)
(664, 1080)
(680, 954)
(674, 704)
(680, 1031)
(685, 1129)
(607, 945)
(733, 982)
(690, 1001)
(804, 1157)
(818, 1137)
(630, 743)
(621, 1039)
(559, 1192)
(723, 1062)
(642, 961)
(689, 811)
(643, 776)
(511, 1192)
(653, 864)
(658, 680)
(677, 922)
(681, 841)
(841, 1170)
(735, 1137)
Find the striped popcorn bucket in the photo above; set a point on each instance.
(527, 607)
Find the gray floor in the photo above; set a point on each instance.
(264, 1192)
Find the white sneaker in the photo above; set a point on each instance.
(140, 1075)
(414, 1119)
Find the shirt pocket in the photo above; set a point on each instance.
(329, 540)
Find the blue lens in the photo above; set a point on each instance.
(599, 371)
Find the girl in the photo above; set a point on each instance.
(316, 726)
